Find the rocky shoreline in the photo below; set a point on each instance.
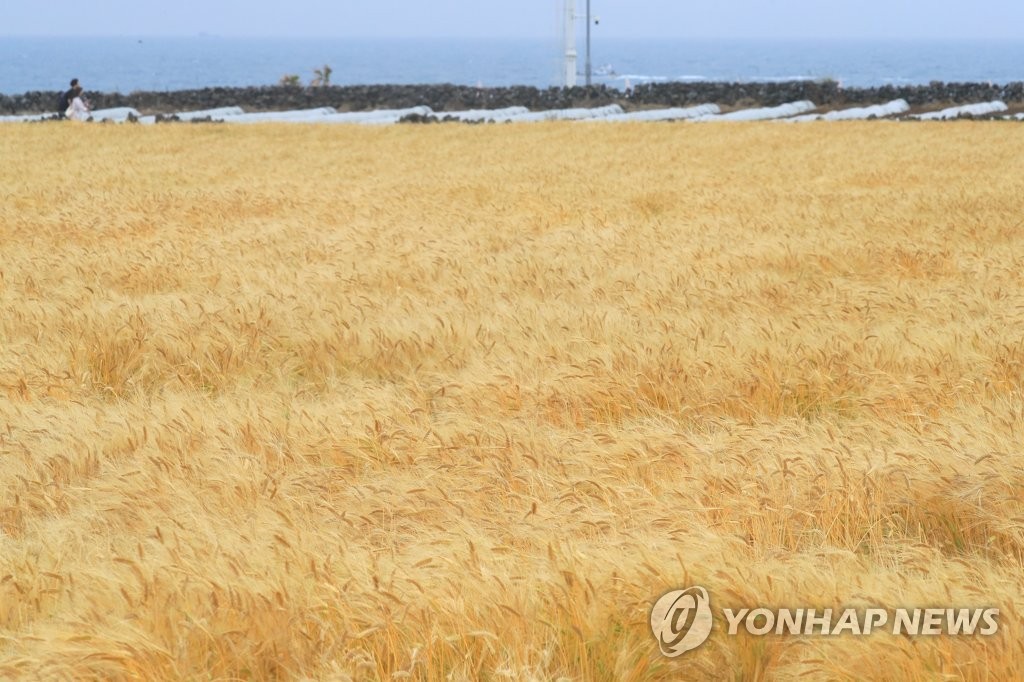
(446, 97)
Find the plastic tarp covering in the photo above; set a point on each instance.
(802, 118)
(297, 116)
(893, 108)
(981, 109)
(117, 114)
(474, 115)
(25, 117)
(763, 114)
(675, 114)
(567, 114)
(376, 117)
(218, 113)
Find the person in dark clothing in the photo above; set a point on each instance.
(65, 99)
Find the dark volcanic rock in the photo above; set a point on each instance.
(417, 118)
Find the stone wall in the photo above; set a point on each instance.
(456, 97)
(825, 93)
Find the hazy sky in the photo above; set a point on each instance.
(519, 18)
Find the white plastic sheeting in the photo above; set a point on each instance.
(764, 113)
(674, 114)
(893, 108)
(802, 118)
(25, 117)
(376, 117)
(297, 116)
(567, 114)
(117, 114)
(475, 115)
(216, 114)
(794, 111)
(981, 109)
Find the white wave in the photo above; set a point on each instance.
(640, 77)
(781, 79)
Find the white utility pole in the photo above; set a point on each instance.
(589, 68)
(569, 75)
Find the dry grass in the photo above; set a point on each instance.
(459, 403)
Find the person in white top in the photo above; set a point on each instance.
(78, 110)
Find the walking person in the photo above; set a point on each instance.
(64, 101)
(78, 108)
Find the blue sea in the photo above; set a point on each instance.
(128, 64)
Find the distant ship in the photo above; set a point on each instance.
(607, 71)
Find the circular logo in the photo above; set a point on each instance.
(681, 620)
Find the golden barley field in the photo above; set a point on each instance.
(461, 402)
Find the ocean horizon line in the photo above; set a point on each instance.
(127, 64)
(762, 40)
